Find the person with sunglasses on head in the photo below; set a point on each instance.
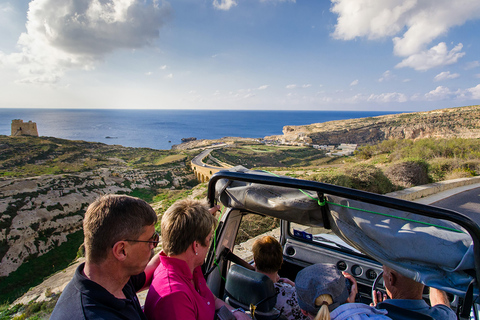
(119, 238)
(323, 293)
(179, 290)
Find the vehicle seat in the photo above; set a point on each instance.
(245, 287)
(398, 313)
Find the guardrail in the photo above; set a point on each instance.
(426, 190)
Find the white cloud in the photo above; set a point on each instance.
(291, 86)
(445, 76)
(263, 87)
(472, 65)
(80, 33)
(306, 85)
(437, 56)
(163, 67)
(149, 73)
(475, 92)
(411, 24)
(388, 97)
(440, 93)
(224, 4)
(386, 76)
(354, 82)
(169, 76)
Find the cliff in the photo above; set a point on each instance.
(463, 122)
(38, 210)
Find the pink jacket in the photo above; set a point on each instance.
(173, 295)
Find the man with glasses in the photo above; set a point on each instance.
(119, 241)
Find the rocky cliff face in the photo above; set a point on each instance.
(445, 123)
(38, 213)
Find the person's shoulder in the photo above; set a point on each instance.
(358, 311)
(286, 286)
(69, 305)
(441, 311)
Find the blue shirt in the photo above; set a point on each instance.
(358, 311)
(84, 299)
(439, 311)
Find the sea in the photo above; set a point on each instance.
(160, 129)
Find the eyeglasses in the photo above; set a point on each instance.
(155, 240)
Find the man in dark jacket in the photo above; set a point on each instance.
(119, 240)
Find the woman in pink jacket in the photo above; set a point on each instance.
(178, 290)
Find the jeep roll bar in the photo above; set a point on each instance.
(323, 188)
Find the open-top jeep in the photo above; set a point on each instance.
(355, 230)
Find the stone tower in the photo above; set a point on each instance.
(20, 128)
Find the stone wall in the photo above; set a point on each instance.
(20, 128)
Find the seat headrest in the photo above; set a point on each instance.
(250, 287)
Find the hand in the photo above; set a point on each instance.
(378, 296)
(241, 316)
(213, 210)
(286, 280)
(354, 290)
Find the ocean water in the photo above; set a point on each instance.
(160, 129)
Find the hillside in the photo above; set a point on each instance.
(47, 183)
(462, 122)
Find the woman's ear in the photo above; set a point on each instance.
(119, 250)
(195, 247)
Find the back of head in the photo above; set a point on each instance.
(113, 218)
(183, 223)
(267, 254)
(400, 287)
(320, 285)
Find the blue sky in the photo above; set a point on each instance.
(398, 55)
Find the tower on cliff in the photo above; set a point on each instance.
(20, 128)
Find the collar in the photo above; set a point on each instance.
(181, 267)
(97, 292)
(412, 304)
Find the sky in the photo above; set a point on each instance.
(378, 55)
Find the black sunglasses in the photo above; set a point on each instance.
(155, 240)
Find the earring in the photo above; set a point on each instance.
(196, 253)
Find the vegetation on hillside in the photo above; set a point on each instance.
(34, 271)
(385, 167)
(33, 156)
(259, 155)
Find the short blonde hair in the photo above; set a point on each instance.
(267, 254)
(183, 223)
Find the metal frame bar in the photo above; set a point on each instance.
(425, 210)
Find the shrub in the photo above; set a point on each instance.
(359, 176)
(457, 174)
(409, 173)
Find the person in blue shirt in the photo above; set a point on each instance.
(407, 293)
(323, 294)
